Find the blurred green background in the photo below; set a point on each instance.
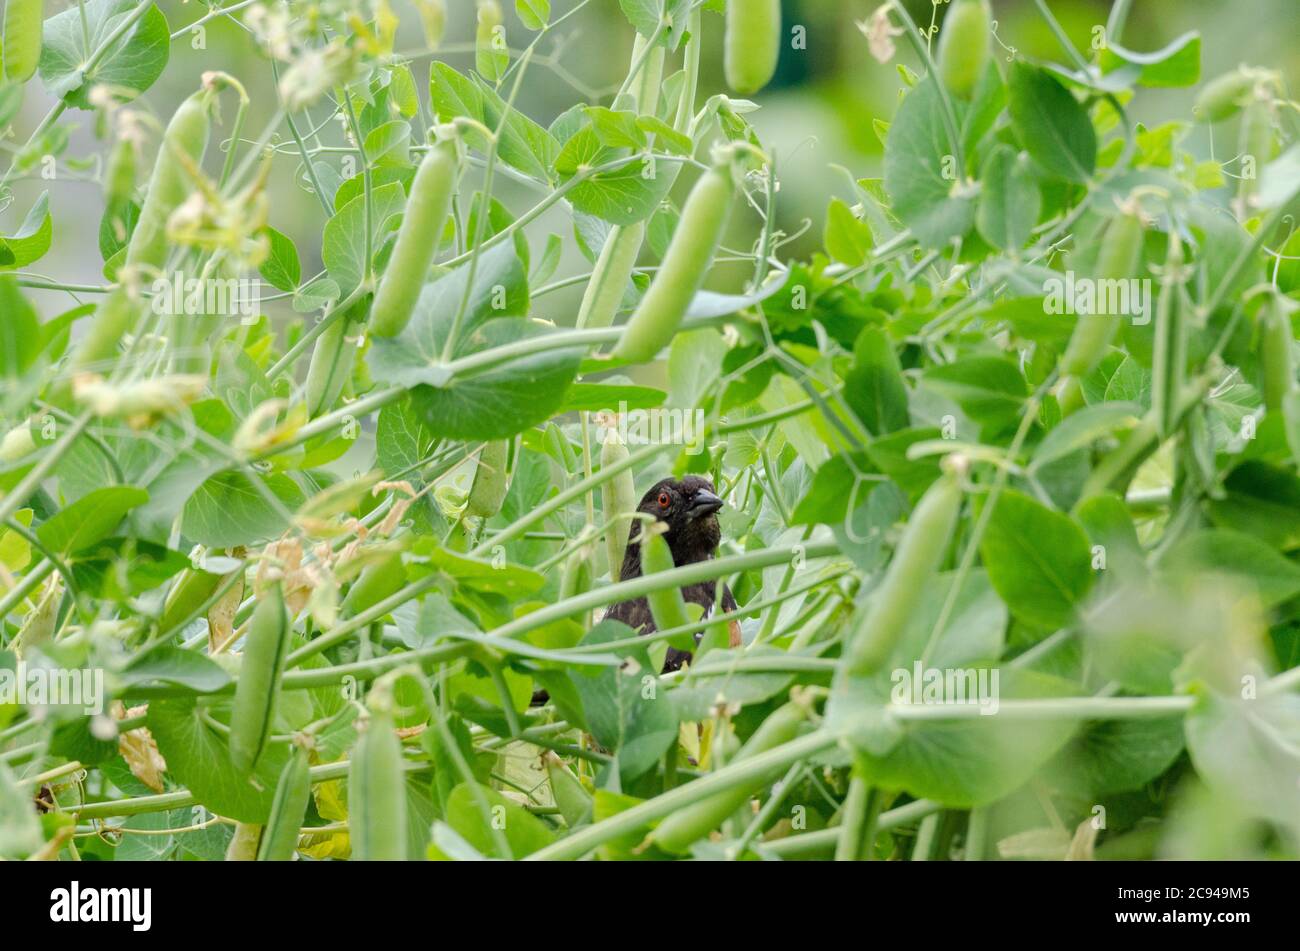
(816, 117)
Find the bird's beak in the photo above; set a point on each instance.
(704, 503)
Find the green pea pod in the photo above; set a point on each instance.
(330, 367)
(752, 44)
(649, 81)
(964, 46)
(683, 828)
(1276, 355)
(571, 797)
(169, 185)
(377, 793)
(1069, 396)
(613, 271)
(559, 447)
(191, 590)
(1224, 96)
(491, 480)
(417, 239)
(433, 18)
(576, 577)
(265, 647)
(685, 264)
(490, 59)
(1143, 440)
(119, 176)
(244, 843)
(1169, 358)
(907, 580)
(666, 604)
(1256, 145)
(114, 318)
(617, 497)
(1118, 259)
(609, 280)
(22, 38)
(292, 791)
(377, 581)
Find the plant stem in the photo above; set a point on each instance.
(735, 774)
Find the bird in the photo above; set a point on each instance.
(689, 510)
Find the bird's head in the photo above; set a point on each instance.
(689, 508)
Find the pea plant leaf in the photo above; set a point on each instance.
(921, 173)
(356, 463)
(130, 64)
(1051, 124)
(1038, 560)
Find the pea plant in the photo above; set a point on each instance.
(306, 552)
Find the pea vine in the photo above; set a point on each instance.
(312, 507)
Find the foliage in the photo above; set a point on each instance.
(288, 542)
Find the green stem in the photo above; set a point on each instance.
(945, 102)
(732, 776)
(1062, 37)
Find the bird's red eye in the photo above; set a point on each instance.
(664, 501)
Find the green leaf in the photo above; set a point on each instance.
(343, 245)
(1039, 560)
(20, 826)
(523, 831)
(874, 387)
(1010, 200)
(645, 16)
(513, 581)
(1261, 500)
(712, 680)
(846, 237)
(90, 519)
(1051, 124)
(1083, 428)
(131, 65)
(595, 397)
(627, 709)
(228, 509)
(1230, 552)
(281, 268)
(174, 665)
(622, 196)
(389, 145)
(617, 129)
(968, 762)
(523, 145)
(1177, 63)
(33, 237)
(990, 390)
(533, 14)
(197, 757)
(1249, 750)
(20, 334)
(921, 172)
(1117, 756)
(499, 290)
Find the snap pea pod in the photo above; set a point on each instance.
(261, 667)
(680, 830)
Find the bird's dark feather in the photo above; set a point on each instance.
(691, 539)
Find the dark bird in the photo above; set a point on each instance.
(689, 509)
